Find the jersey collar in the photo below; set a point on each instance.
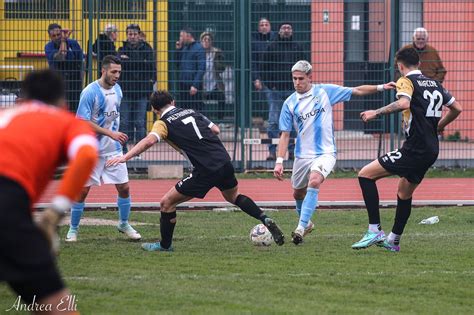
(307, 94)
(413, 72)
(167, 110)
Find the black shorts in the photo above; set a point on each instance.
(198, 184)
(26, 262)
(405, 164)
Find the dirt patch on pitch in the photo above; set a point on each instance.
(94, 221)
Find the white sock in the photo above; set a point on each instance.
(374, 227)
(392, 238)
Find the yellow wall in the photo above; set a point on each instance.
(30, 36)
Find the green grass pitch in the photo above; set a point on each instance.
(216, 270)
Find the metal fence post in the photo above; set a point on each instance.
(394, 18)
(242, 26)
(89, 42)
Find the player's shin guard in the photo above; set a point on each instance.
(124, 206)
(76, 213)
(401, 216)
(371, 199)
(248, 206)
(167, 223)
(309, 206)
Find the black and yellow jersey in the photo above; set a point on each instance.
(420, 121)
(190, 133)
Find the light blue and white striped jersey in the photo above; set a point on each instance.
(311, 115)
(102, 107)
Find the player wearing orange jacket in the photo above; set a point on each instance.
(37, 136)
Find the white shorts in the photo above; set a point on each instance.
(117, 174)
(302, 168)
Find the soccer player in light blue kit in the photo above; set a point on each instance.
(309, 110)
(100, 105)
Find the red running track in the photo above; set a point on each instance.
(342, 192)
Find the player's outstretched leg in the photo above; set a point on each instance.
(374, 234)
(76, 213)
(248, 206)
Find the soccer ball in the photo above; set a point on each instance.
(261, 236)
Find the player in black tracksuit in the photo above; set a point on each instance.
(421, 100)
(195, 137)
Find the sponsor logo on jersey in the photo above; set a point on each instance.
(314, 112)
(113, 113)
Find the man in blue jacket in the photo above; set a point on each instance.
(66, 57)
(137, 79)
(191, 58)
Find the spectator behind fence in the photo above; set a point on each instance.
(280, 56)
(213, 85)
(65, 56)
(105, 45)
(191, 62)
(138, 77)
(431, 64)
(260, 42)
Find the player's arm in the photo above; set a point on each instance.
(453, 112)
(394, 107)
(116, 135)
(214, 128)
(158, 132)
(372, 89)
(404, 93)
(282, 148)
(139, 148)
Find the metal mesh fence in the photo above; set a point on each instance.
(232, 59)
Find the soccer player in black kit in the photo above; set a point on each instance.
(420, 99)
(195, 137)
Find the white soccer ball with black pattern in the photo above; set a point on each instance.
(261, 236)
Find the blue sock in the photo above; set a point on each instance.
(76, 213)
(124, 205)
(309, 206)
(299, 204)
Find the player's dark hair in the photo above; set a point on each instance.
(46, 86)
(110, 59)
(160, 99)
(408, 56)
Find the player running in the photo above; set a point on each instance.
(420, 98)
(195, 137)
(309, 110)
(100, 106)
(37, 136)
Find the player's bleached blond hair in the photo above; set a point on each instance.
(303, 66)
(420, 30)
